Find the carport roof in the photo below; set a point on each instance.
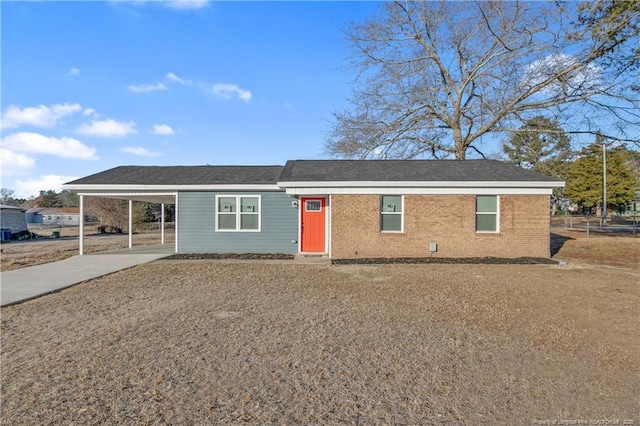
(183, 175)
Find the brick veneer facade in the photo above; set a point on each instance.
(447, 220)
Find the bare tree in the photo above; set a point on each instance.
(111, 213)
(613, 23)
(6, 196)
(435, 78)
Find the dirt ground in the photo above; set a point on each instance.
(198, 342)
(619, 250)
(16, 255)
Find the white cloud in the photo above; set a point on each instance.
(35, 143)
(29, 187)
(74, 71)
(90, 111)
(186, 4)
(107, 128)
(138, 150)
(227, 91)
(171, 76)
(12, 163)
(144, 88)
(40, 116)
(163, 129)
(220, 90)
(582, 79)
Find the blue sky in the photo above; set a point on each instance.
(87, 86)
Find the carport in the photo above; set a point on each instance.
(161, 198)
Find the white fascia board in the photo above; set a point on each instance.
(154, 197)
(126, 193)
(173, 188)
(423, 184)
(420, 191)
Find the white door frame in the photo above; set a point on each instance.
(327, 222)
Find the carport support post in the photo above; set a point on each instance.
(175, 221)
(162, 223)
(130, 223)
(81, 227)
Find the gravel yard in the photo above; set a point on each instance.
(198, 342)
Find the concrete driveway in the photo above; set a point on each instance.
(28, 283)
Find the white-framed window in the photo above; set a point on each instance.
(487, 217)
(391, 213)
(312, 205)
(238, 213)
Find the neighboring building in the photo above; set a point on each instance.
(13, 219)
(58, 216)
(633, 208)
(346, 208)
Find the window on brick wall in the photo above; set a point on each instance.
(487, 219)
(391, 213)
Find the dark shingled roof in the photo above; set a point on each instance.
(317, 171)
(6, 207)
(184, 175)
(406, 170)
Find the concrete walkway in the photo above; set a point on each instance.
(28, 283)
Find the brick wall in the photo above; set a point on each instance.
(447, 220)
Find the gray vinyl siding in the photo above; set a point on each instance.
(196, 225)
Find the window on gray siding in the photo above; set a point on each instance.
(487, 213)
(238, 213)
(249, 213)
(391, 215)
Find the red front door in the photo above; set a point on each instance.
(312, 226)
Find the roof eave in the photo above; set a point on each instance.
(423, 184)
(172, 188)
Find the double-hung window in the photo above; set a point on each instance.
(391, 216)
(487, 213)
(238, 213)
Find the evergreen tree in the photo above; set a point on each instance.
(540, 145)
(48, 198)
(584, 177)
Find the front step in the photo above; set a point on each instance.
(312, 259)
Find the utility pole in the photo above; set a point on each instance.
(604, 181)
